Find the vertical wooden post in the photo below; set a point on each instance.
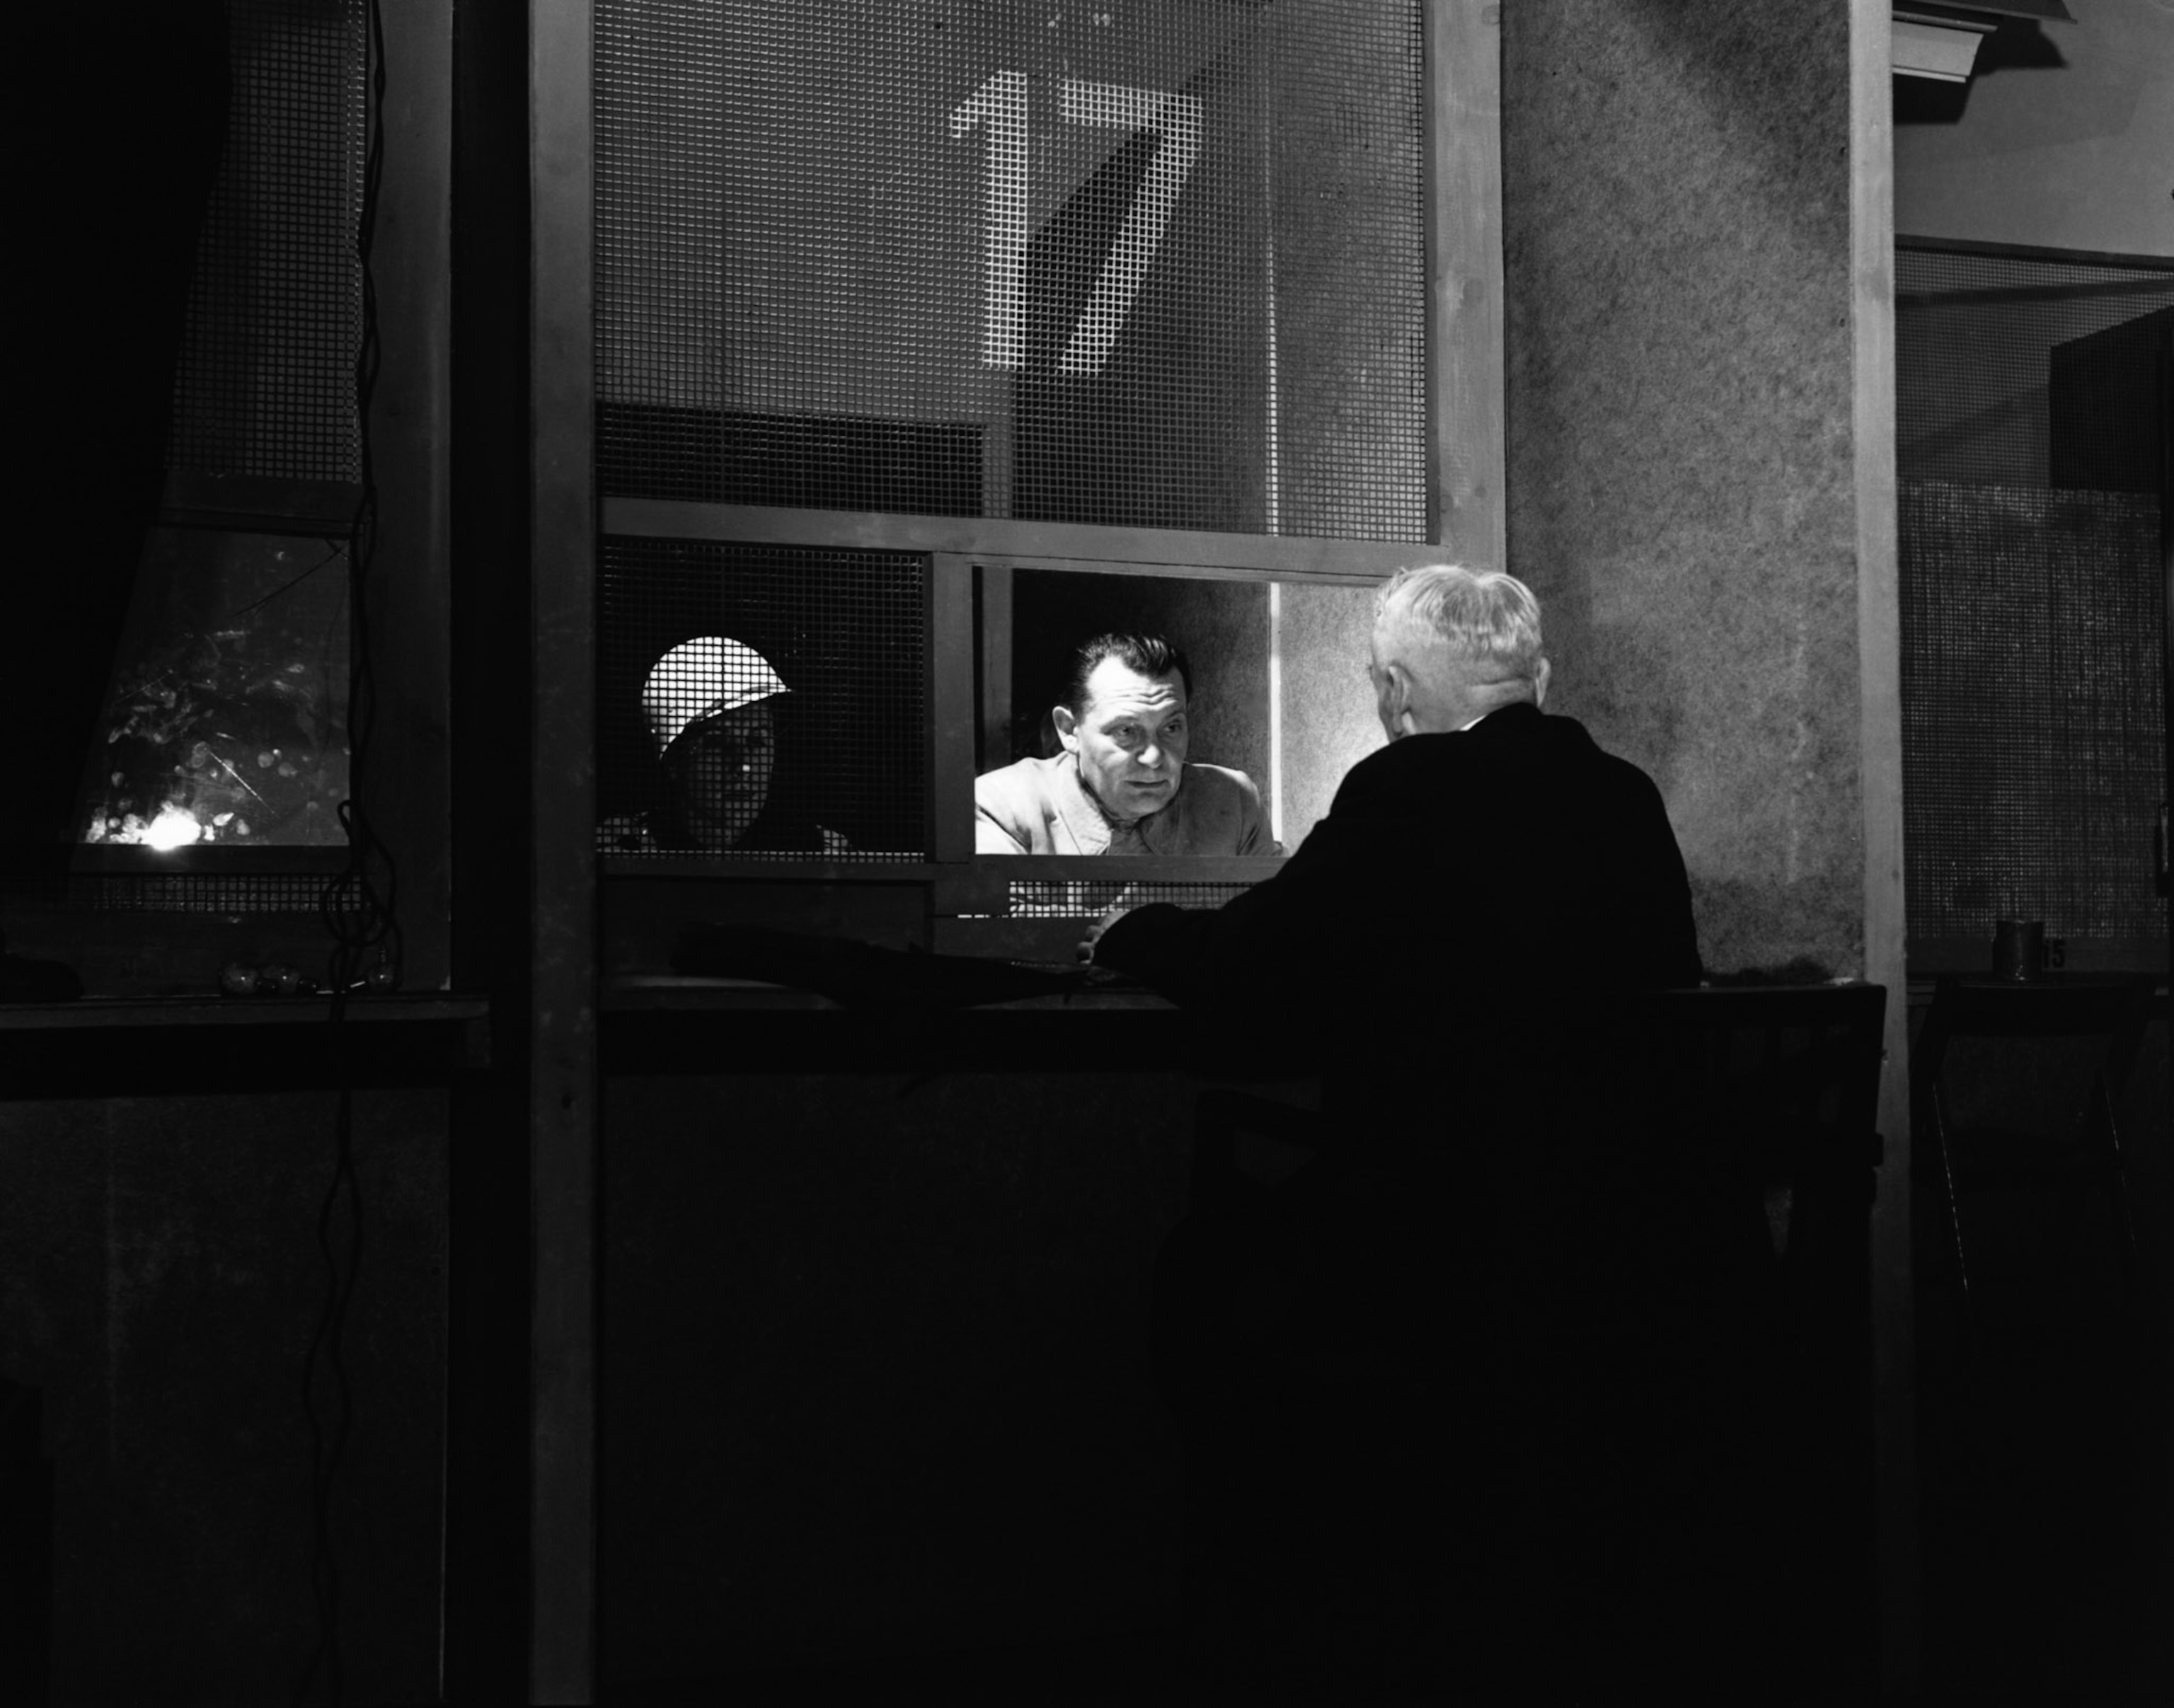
(1465, 452)
(951, 705)
(490, 1231)
(410, 433)
(562, 1027)
(992, 618)
(1879, 686)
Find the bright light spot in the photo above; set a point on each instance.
(174, 827)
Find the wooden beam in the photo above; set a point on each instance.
(487, 1415)
(1085, 545)
(992, 615)
(410, 605)
(951, 707)
(1880, 688)
(1465, 504)
(562, 1028)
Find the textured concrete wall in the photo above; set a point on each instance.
(1679, 386)
(1329, 723)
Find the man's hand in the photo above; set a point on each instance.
(1110, 915)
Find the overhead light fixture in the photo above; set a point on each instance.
(1941, 42)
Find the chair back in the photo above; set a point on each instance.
(2040, 1140)
(1604, 1331)
(2111, 1007)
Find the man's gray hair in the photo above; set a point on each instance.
(1477, 613)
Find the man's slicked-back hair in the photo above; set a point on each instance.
(1477, 613)
(1150, 655)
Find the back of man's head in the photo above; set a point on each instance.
(1452, 643)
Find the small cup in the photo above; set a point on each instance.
(2018, 949)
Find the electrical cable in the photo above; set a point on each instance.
(358, 909)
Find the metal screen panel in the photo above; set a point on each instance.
(805, 674)
(2033, 721)
(2030, 416)
(1973, 337)
(660, 248)
(1156, 264)
(177, 892)
(265, 385)
(1089, 898)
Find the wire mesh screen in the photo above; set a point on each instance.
(1088, 898)
(1973, 382)
(265, 383)
(761, 702)
(2034, 725)
(1160, 264)
(2031, 415)
(176, 892)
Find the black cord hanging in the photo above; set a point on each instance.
(359, 907)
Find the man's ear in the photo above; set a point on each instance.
(1067, 728)
(1397, 682)
(1540, 685)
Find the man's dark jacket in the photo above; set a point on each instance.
(1510, 1251)
(1511, 857)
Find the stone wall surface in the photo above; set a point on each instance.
(1680, 388)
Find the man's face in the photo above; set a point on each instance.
(721, 770)
(1130, 739)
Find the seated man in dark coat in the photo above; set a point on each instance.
(1522, 854)
(1468, 1351)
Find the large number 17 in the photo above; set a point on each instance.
(999, 106)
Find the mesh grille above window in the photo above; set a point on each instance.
(266, 380)
(1159, 264)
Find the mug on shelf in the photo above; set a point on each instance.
(2018, 948)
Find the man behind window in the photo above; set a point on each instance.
(1121, 785)
(710, 703)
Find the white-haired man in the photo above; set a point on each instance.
(1489, 847)
(1397, 1351)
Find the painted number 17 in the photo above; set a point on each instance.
(998, 108)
